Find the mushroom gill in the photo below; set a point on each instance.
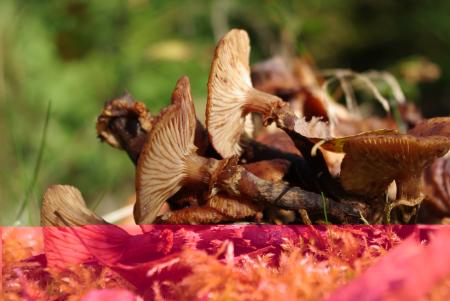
(230, 93)
(169, 161)
(63, 205)
(162, 166)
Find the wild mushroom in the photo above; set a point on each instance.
(169, 161)
(124, 124)
(64, 206)
(231, 96)
(373, 160)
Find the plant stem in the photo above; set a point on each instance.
(37, 166)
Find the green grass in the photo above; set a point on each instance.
(325, 204)
(26, 199)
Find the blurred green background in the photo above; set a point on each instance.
(79, 54)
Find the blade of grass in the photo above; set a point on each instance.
(26, 198)
(97, 202)
(363, 219)
(324, 208)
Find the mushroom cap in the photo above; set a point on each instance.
(437, 185)
(337, 144)
(439, 126)
(122, 107)
(228, 85)
(372, 162)
(63, 205)
(161, 168)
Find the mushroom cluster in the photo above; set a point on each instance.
(273, 150)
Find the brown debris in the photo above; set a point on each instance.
(269, 170)
(438, 126)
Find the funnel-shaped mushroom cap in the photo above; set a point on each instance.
(162, 166)
(64, 206)
(228, 84)
(230, 90)
(372, 162)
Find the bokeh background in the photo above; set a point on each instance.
(78, 54)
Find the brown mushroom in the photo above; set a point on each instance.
(124, 124)
(373, 160)
(64, 206)
(231, 96)
(169, 161)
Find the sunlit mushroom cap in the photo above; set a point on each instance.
(372, 162)
(64, 206)
(228, 85)
(161, 167)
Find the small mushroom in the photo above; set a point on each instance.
(231, 96)
(169, 161)
(63, 205)
(373, 160)
(229, 90)
(124, 124)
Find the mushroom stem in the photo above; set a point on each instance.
(409, 187)
(236, 181)
(263, 103)
(200, 169)
(239, 182)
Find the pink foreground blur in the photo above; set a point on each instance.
(145, 254)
